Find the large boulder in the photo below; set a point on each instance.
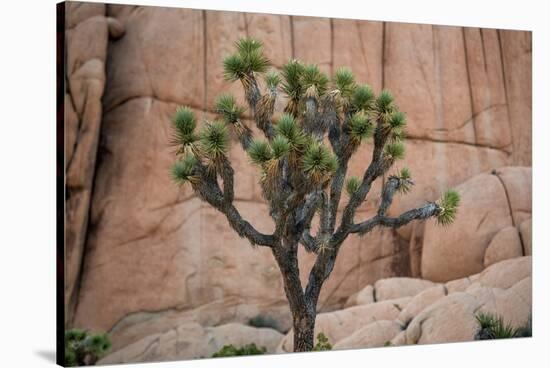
(503, 290)
(191, 341)
(450, 319)
(373, 335)
(399, 287)
(342, 323)
(363, 296)
(490, 202)
(421, 301)
(505, 244)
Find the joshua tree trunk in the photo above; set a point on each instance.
(301, 177)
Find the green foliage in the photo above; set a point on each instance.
(234, 67)
(247, 45)
(345, 82)
(319, 162)
(314, 80)
(184, 124)
(230, 350)
(227, 107)
(248, 59)
(397, 120)
(360, 127)
(405, 182)
(280, 146)
(388, 343)
(352, 185)
(448, 204)
(214, 139)
(292, 75)
(384, 102)
(259, 152)
(272, 80)
(322, 343)
(363, 98)
(395, 150)
(288, 128)
(493, 327)
(182, 171)
(83, 348)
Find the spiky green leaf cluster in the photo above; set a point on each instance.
(227, 107)
(405, 182)
(280, 146)
(272, 80)
(288, 128)
(318, 162)
(345, 82)
(397, 120)
(184, 123)
(405, 173)
(362, 98)
(292, 75)
(448, 205)
(395, 150)
(249, 58)
(384, 102)
(214, 139)
(360, 127)
(352, 185)
(493, 327)
(183, 170)
(259, 152)
(314, 81)
(83, 348)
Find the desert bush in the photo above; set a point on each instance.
(83, 348)
(230, 350)
(493, 327)
(322, 343)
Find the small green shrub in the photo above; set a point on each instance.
(83, 348)
(388, 343)
(261, 321)
(230, 350)
(493, 327)
(322, 343)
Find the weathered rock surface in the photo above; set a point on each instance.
(490, 202)
(399, 287)
(364, 296)
(342, 323)
(154, 257)
(421, 301)
(372, 335)
(505, 244)
(87, 36)
(190, 341)
(503, 289)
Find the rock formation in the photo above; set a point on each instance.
(144, 257)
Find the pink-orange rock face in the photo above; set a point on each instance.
(490, 203)
(153, 249)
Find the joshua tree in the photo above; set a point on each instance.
(303, 159)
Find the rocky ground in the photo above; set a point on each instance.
(394, 311)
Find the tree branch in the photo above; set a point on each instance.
(209, 190)
(430, 209)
